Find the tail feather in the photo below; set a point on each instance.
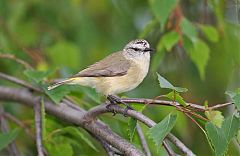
(59, 84)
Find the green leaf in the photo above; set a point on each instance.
(60, 149)
(188, 29)
(236, 100)
(176, 97)
(215, 117)
(231, 94)
(210, 32)
(132, 125)
(168, 40)
(165, 84)
(7, 138)
(160, 131)
(75, 132)
(157, 59)
(58, 93)
(199, 54)
(64, 53)
(92, 94)
(235, 96)
(37, 76)
(238, 137)
(220, 137)
(148, 28)
(162, 9)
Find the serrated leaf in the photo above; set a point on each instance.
(7, 138)
(37, 76)
(132, 125)
(210, 32)
(58, 93)
(188, 29)
(160, 131)
(162, 9)
(199, 54)
(215, 117)
(220, 137)
(168, 40)
(176, 97)
(165, 84)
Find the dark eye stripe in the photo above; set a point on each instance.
(136, 49)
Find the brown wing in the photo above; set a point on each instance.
(113, 65)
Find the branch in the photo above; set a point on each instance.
(72, 115)
(100, 109)
(126, 100)
(169, 149)
(12, 148)
(18, 81)
(143, 141)
(38, 127)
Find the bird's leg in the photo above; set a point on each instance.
(116, 100)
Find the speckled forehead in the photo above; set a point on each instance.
(139, 42)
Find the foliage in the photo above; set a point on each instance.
(7, 138)
(220, 137)
(197, 46)
(160, 131)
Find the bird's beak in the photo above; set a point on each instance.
(149, 50)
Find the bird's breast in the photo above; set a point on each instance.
(135, 75)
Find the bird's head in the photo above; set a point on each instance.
(138, 46)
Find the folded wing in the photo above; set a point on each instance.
(113, 65)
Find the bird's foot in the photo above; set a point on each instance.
(108, 108)
(116, 100)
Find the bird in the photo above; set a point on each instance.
(117, 73)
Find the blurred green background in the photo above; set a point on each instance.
(202, 54)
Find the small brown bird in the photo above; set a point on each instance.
(117, 73)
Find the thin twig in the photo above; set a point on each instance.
(38, 127)
(18, 81)
(179, 144)
(13, 57)
(168, 149)
(12, 148)
(170, 103)
(19, 123)
(109, 149)
(144, 144)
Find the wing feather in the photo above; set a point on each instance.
(113, 65)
